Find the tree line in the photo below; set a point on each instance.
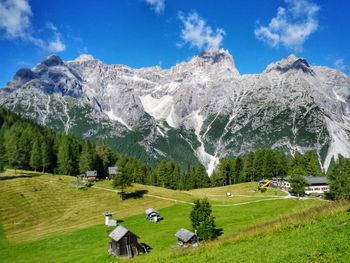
(25, 145)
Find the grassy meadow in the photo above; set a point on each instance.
(47, 217)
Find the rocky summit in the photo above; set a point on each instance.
(200, 110)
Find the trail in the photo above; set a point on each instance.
(213, 205)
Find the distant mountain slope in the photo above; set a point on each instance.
(200, 110)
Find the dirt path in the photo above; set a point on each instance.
(214, 205)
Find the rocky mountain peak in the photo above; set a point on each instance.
(292, 62)
(84, 57)
(53, 61)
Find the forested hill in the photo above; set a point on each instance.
(29, 146)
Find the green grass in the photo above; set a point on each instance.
(55, 222)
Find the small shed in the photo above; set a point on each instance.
(152, 215)
(108, 219)
(112, 171)
(124, 243)
(186, 237)
(91, 175)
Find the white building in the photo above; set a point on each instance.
(316, 185)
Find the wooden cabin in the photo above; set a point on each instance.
(124, 243)
(186, 237)
(91, 175)
(112, 171)
(152, 215)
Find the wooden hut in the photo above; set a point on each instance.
(152, 215)
(91, 175)
(186, 237)
(124, 243)
(112, 171)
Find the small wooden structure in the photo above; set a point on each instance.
(124, 243)
(112, 171)
(91, 175)
(108, 219)
(186, 237)
(152, 215)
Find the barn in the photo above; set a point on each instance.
(124, 243)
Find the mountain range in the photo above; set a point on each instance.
(200, 110)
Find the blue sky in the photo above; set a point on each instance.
(143, 33)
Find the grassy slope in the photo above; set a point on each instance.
(48, 228)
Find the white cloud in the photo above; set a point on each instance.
(198, 34)
(15, 24)
(339, 64)
(157, 5)
(291, 26)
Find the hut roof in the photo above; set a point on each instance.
(311, 180)
(91, 173)
(112, 170)
(150, 211)
(119, 232)
(184, 235)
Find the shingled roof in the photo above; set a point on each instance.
(119, 233)
(184, 235)
(150, 211)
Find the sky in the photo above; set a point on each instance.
(141, 33)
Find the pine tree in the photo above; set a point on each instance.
(248, 168)
(45, 156)
(340, 179)
(298, 183)
(2, 153)
(202, 220)
(104, 158)
(202, 178)
(13, 150)
(86, 159)
(35, 160)
(122, 180)
(65, 156)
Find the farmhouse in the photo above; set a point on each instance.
(316, 184)
(152, 215)
(186, 237)
(124, 243)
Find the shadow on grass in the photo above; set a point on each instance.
(11, 177)
(134, 195)
(219, 231)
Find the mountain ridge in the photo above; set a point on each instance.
(199, 110)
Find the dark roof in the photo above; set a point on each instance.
(112, 170)
(150, 211)
(184, 235)
(312, 180)
(91, 173)
(119, 232)
(316, 180)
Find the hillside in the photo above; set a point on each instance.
(200, 110)
(46, 216)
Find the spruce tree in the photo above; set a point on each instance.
(86, 159)
(2, 153)
(202, 220)
(339, 178)
(248, 168)
(13, 150)
(35, 160)
(45, 156)
(65, 156)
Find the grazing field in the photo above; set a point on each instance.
(47, 217)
